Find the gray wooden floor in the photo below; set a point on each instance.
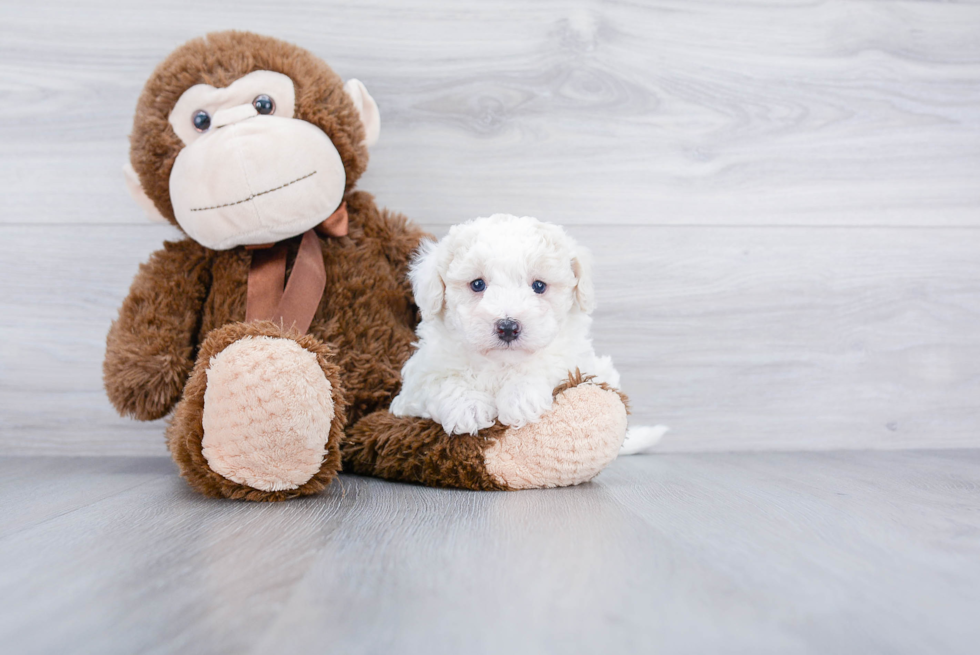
(841, 552)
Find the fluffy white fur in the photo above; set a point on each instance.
(463, 375)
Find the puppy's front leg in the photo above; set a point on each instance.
(523, 401)
(461, 409)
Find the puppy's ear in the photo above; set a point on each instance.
(426, 277)
(584, 289)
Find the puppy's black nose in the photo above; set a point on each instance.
(507, 329)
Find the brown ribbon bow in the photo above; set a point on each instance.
(292, 303)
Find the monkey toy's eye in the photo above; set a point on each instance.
(478, 285)
(264, 104)
(202, 121)
(538, 286)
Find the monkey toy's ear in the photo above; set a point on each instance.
(368, 108)
(136, 190)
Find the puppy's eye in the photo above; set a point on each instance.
(538, 286)
(201, 120)
(264, 104)
(478, 285)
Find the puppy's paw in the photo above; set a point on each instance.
(470, 418)
(464, 411)
(523, 402)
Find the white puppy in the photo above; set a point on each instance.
(505, 305)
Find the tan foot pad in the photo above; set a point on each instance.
(267, 413)
(568, 446)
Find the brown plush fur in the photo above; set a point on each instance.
(151, 347)
(186, 431)
(419, 450)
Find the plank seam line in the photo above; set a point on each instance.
(85, 506)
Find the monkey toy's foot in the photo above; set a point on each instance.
(569, 445)
(262, 415)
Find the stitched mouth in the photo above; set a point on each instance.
(254, 195)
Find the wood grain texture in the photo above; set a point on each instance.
(782, 197)
(661, 112)
(769, 338)
(721, 553)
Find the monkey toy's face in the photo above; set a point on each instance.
(250, 172)
(251, 160)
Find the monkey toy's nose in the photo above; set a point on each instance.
(507, 329)
(231, 115)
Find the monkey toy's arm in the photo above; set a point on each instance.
(569, 445)
(151, 347)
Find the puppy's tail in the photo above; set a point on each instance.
(642, 439)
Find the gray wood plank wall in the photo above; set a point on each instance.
(784, 198)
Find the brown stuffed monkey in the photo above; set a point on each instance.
(277, 330)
